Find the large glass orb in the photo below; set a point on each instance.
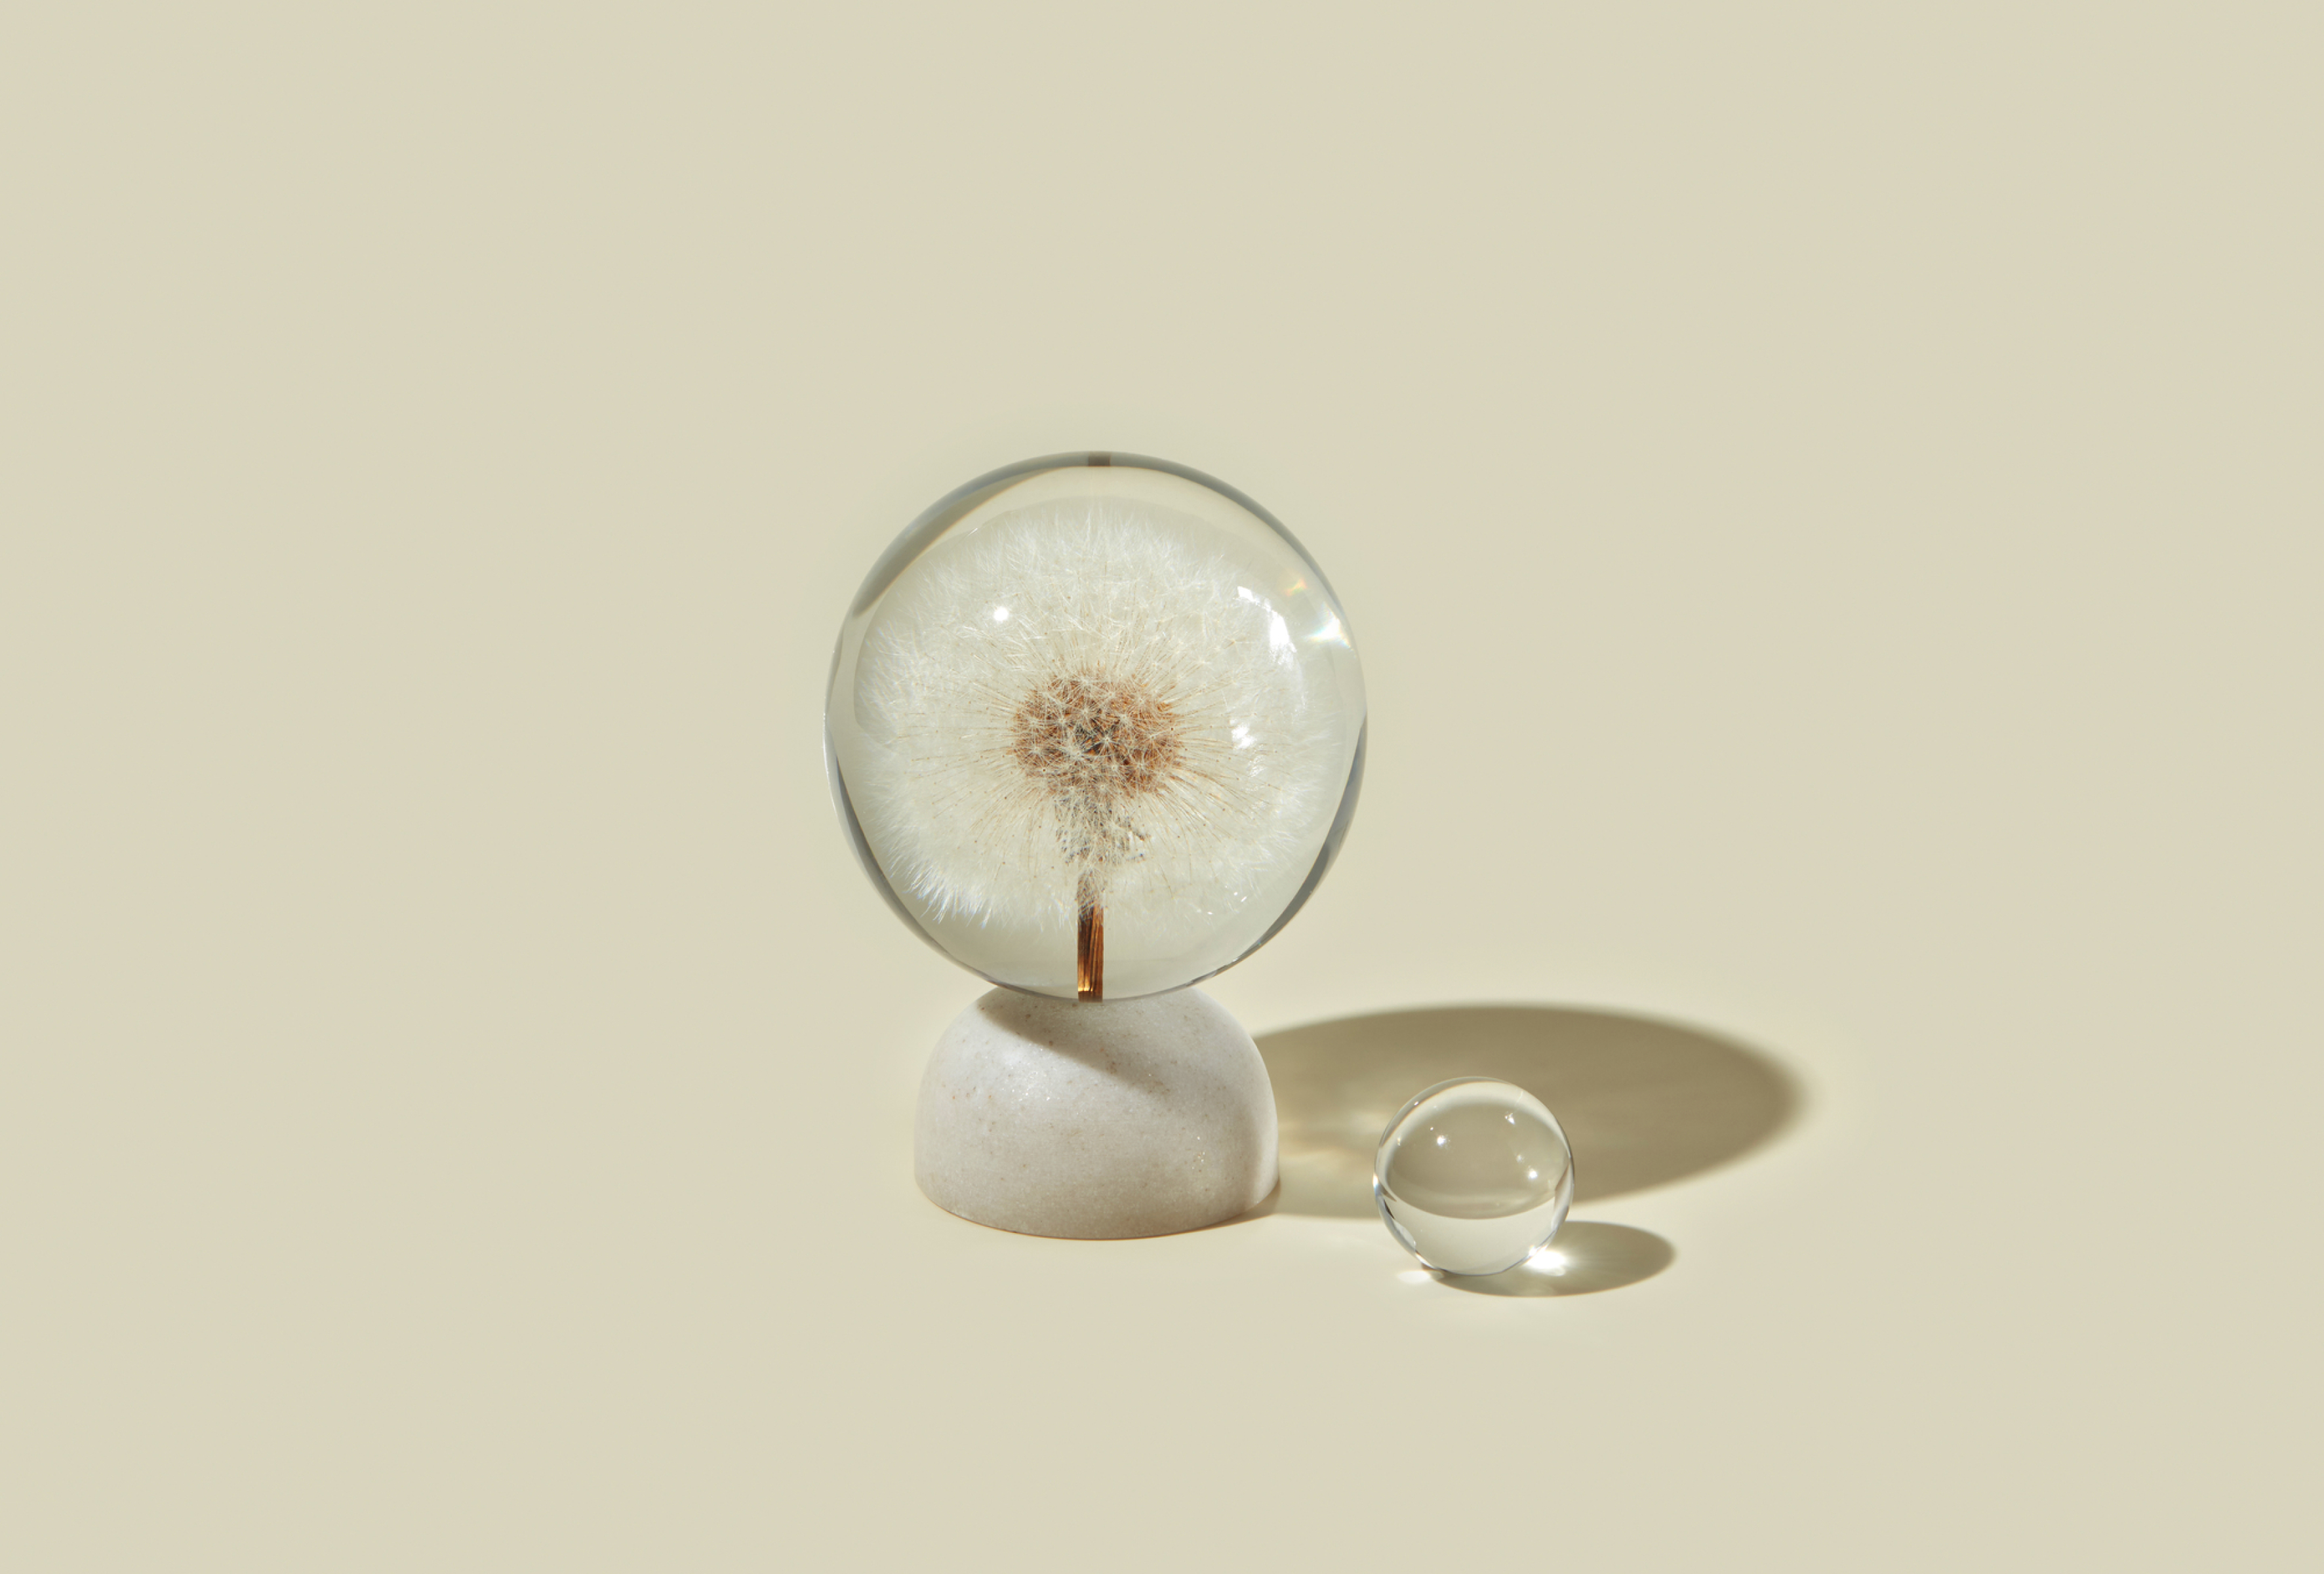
(1095, 726)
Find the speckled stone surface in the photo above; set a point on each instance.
(1099, 1121)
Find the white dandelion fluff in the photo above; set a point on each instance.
(1094, 731)
(1072, 699)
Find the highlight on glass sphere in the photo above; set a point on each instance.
(1474, 1176)
(1095, 726)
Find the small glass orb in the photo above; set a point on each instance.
(1474, 1176)
(1095, 726)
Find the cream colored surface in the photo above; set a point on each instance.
(1096, 1122)
(1829, 504)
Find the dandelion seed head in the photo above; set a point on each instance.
(1085, 738)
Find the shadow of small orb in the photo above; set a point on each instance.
(1585, 1259)
(1643, 1102)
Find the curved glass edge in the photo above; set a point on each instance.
(1433, 1088)
(1404, 1237)
(941, 515)
(862, 844)
(1326, 855)
(1188, 473)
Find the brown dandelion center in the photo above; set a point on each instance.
(1097, 739)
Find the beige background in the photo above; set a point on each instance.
(1829, 501)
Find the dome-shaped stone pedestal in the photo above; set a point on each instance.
(1095, 1121)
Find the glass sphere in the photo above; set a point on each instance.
(1095, 726)
(1474, 1176)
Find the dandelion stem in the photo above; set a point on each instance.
(1089, 944)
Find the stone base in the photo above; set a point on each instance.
(1097, 1121)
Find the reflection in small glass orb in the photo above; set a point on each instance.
(1474, 1176)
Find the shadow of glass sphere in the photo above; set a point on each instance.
(1642, 1102)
